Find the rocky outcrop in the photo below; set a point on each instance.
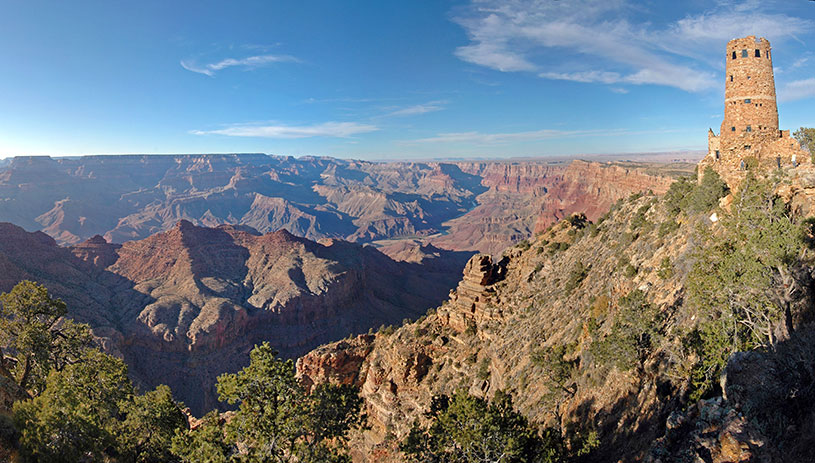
(338, 363)
(710, 431)
(473, 302)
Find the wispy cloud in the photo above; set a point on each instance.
(480, 138)
(797, 90)
(249, 62)
(415, 110)
(326, 129)
(612, 41)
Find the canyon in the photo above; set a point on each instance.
(463, 206)
(181, 264)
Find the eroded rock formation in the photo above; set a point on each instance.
(186, 305)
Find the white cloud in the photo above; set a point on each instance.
(418, 109)
(585, 76)
(326, 129)
(248, 62)
(797, 90)
(608, 42)
(799, 62)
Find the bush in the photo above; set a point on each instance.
(639, 220)
(676, 194)
(666, 269)
(484, 369)
(706, 195)
(634, 336)
(744, 282)
(578, 221)
(629, 271)
(276, 418)
(576, 276)
(468, 429)
(806, 137)
(667, 227)
(559, 372)
(471, 329)
(386, 330)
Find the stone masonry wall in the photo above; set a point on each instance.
(750, 108)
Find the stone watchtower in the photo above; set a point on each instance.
(749, 92)
(749, 133)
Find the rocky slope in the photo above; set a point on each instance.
(186, 305)
(466, 206)
(543, 321)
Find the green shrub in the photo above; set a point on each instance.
(559, 372)
(667, 227)
(706, 195)
(744, 281)
(484, 369)
(630, 271)
(471, 329)
(676, 194)
(576, 276)
(639, 219)
(634, 335)
(806, 137)
(578, 221)
(666, 269)
(468, 429)
(386, 330)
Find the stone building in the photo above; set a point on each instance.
(749, 135)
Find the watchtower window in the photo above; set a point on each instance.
(758, 53)
(749, 129)
(732, 129)
(731, 78)
(748, 100)
(747, 147)
(734, 55)
(744, 53)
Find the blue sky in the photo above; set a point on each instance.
(384, 79)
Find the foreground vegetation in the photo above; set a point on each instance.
(78, 404)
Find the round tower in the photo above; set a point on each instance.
(750, 110)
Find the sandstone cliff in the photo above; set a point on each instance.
(526, 198)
